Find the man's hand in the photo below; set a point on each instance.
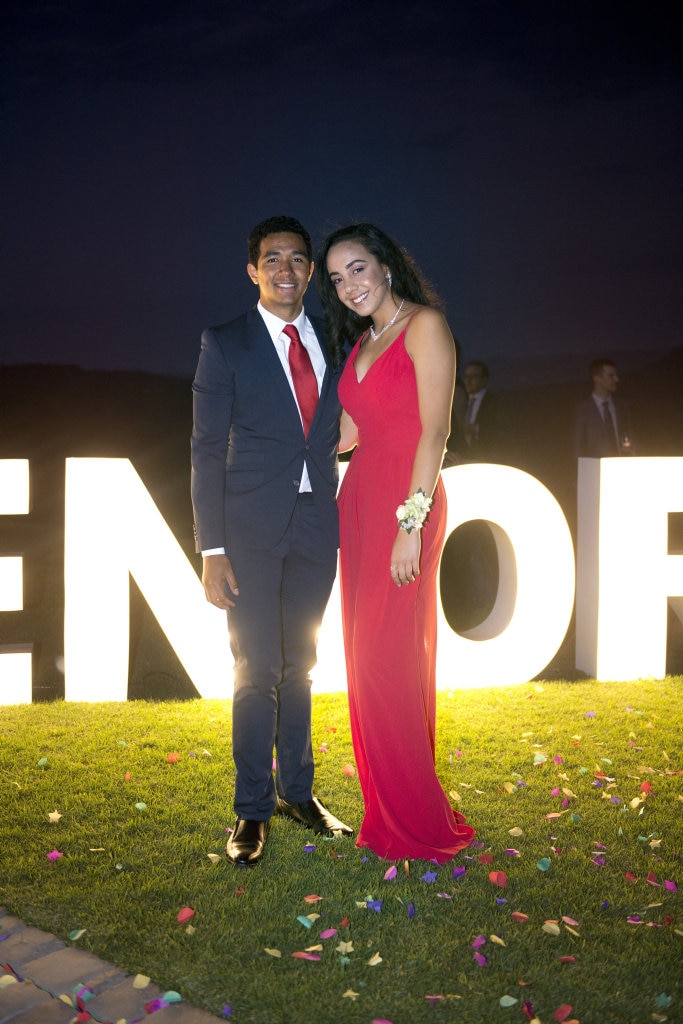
(216, 572)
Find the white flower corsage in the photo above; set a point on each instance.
(412, 514)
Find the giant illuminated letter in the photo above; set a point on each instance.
(536, 588)
(624, 574)
(15, 659)
(113, 529)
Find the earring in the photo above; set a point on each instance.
(389, 278)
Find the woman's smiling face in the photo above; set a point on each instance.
(359, 278)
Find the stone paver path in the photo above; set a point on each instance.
(40, 977)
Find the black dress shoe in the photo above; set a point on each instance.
(247, 841)
(313, 814)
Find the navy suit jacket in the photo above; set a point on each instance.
(248, 444)
(591, 439)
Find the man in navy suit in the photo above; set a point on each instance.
(264, 483)
(602, 426)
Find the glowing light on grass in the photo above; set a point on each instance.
(535, 597)
(15, 660)
(625, 575)
(113, 529)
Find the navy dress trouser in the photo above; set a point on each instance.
(273, 628)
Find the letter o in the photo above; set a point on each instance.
(535, 598)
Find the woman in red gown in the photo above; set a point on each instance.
(396, 391)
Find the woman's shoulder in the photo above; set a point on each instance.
(424, 323)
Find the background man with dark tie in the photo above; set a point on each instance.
(264, 483)
(602, 423)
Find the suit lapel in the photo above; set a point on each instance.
(262, 345)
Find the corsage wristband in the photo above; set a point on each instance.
(412, 514)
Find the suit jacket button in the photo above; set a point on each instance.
(297, 483)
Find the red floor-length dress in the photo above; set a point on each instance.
(390, 631)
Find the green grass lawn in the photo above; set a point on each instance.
(570, 896)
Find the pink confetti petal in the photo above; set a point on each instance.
(185, 915)
(391, 873)
(306, 956)
(562, 1012)
(349, 770)
(156, 1004)
(328, 933)
(517, 915)
(312, 898)
(173, 758)
(481, 959)
(652, 879)
(498, 878)
(671, 886)
(54, 855)
(479, 942)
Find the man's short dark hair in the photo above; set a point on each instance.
(481, 368)
(274, 226)
(598, 365)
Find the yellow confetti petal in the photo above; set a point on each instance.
(8, 979)
(497, 939)
(313, 917)
(140, 981)
(568, 792)
(214, 858)
(345, 947)
(516, 831)
(54, 816)
(314, 949)
(573, 931)
(509, 788)
(551, 928)
(374, 960)
(273, 952)
(350, 994)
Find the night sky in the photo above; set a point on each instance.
(526, 153)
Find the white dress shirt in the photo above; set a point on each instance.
(600, 403)
(473, 403)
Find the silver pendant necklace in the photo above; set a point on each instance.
(387, 326)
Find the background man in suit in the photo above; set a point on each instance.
(481, 426)
(602, 426)
(264, 483)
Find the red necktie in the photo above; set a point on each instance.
(303, 376)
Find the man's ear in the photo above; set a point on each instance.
(253, 272)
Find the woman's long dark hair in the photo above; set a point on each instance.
(343, 325)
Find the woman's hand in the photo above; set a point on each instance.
(405, 557)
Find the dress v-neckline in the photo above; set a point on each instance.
(383, 353)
